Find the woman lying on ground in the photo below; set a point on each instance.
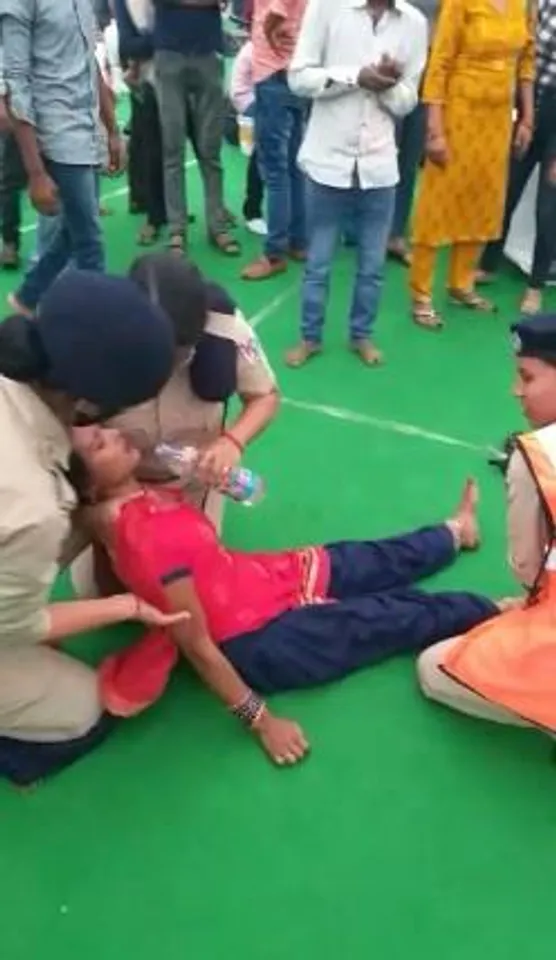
(218, 359)
(506, 671)
(269, 622)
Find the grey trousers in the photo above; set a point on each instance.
(190, 87)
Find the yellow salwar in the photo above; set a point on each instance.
(478, 53)
(461, 267)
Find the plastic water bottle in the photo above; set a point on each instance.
(240, 484)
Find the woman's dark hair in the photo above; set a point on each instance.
(22, 355)
(79, 477)
(178, 287)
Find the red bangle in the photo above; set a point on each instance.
(237, 443)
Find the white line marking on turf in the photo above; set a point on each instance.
(273, 305)
(392, 426)
(363, 419)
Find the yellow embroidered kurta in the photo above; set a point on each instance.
(478, 54)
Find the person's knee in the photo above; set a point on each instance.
(82, 713)
(47, 696)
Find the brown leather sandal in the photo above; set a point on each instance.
(148, 235)
(472, 300)
(176, 243)
(424, 315)
(226, 244)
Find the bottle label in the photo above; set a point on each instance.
(240, 484)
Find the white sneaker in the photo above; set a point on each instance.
(258, 226)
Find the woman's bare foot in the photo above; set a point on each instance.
(531, 302)
(511, 603)
(464, 523)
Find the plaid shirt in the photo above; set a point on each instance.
(546, 43)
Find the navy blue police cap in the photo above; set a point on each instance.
(536, 337)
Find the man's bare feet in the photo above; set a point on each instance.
(464, 523)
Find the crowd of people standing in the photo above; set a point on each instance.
(346, 101)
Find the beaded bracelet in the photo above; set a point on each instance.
(250, 710)
(234, 440)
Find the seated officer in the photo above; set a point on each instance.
(506, 670)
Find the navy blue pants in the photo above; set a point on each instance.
(378, 614)
(25, 762)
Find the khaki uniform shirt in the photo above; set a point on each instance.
(178, 415)
(528, 533)
(35, 505)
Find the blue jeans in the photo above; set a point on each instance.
(279, 126)
(410, 135)
(327, 210)
(79, 237)
(378, 614)
(47, 227)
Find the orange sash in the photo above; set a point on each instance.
(511, 660)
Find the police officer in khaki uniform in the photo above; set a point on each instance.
(218, 357)
(97, 345)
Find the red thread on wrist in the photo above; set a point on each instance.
(237, 443)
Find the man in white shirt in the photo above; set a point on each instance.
(360, 61)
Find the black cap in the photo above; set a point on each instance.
(536, 337)
(177, 286)
(103, 340)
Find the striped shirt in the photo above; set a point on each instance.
(546, 43)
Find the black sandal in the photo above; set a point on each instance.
(403, 257)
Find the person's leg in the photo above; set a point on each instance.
(545, 240)
(14, 181)
(80, 199)
(319, 644)
(50, 712)
(350, 224)
(367, 566)
(137, 147)
(80, 237)
(436, 685)
(298, 213)
(47, 228)
(44, 269)
(462, 266)
(421, 274)
(207, 106)
(374, 209)
(545, 218)
(521, 169)
(154, 165)
(410, 151)
(326, 208)
(254, 190)
(170, 70)
(273, 129)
